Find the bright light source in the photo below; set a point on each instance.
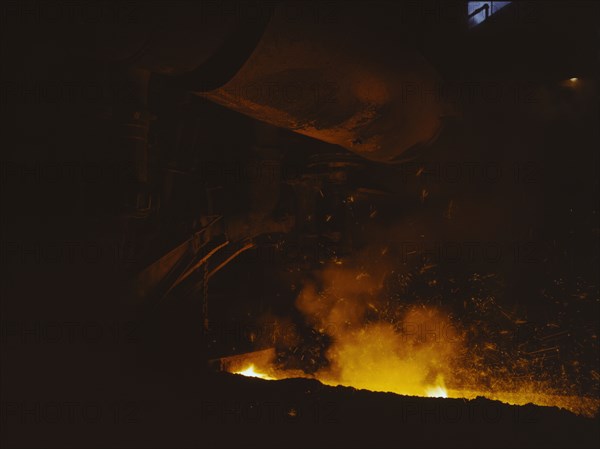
(573, 80)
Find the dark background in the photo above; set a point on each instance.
(68, 255)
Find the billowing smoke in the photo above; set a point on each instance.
(371, 348)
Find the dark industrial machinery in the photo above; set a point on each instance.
(371, 80)
(377, 212)
(298, 66)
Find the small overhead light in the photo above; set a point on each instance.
(573, 80)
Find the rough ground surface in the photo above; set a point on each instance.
(223, 410)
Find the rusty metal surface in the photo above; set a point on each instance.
(370, 92)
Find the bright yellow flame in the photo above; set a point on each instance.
(251, 372)
(437, 392)
(415, 356)
(377, 358)
(389, 381)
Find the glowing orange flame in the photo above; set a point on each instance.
(415, 356)
(437, 392)
(250, 371)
